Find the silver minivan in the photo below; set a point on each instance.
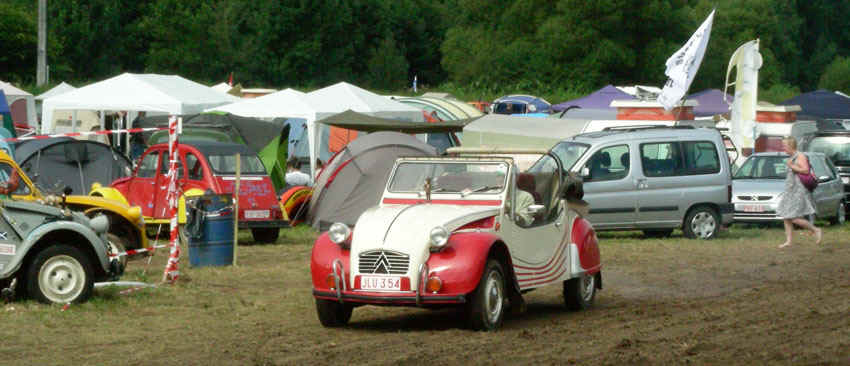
(653, 178)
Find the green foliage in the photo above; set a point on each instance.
(19, 43)
(542, 47)
(778, 92)
(388, 66)
(837, 75)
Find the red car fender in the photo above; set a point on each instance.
(460, 264)
(325, 252)
(586, 246)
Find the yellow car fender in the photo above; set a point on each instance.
(108, 193)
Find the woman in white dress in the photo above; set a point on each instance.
(796, 201)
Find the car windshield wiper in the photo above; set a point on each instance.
(479, 189)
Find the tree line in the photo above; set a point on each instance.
(551, 48)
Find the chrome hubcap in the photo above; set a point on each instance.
(703, 225)
(61, 279)
(493, 296)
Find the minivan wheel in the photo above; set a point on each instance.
(701, 223)
(840, 216)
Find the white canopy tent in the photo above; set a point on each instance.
(222, 87)
(62, 88)
(287, 103)
(14, 94)
(343, 96)
(170, 94)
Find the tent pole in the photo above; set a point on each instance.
(236, 208)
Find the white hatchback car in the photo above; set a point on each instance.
(757, 185)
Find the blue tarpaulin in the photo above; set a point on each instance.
(821, 104)
(600, 99)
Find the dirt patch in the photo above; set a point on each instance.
(735, 300)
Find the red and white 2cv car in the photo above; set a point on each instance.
(469, 230)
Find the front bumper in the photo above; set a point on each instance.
(755, 212)
(406, 298)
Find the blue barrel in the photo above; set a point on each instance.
(209, 228)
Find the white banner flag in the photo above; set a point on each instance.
(682, 66)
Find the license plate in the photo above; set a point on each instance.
(257, 214)
(753, 208)
(846, 180)
(382, 283)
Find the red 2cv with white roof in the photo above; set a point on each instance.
(469, 230)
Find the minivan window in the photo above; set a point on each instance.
(819, 167)
(667, 159)
(609, 163)
(700, 157)
(660, 159)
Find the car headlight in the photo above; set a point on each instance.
(339, 233)
(439, 237)
(100, 224)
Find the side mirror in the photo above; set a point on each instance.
(585, 172)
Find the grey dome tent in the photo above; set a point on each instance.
(58, 162)
(354, 179)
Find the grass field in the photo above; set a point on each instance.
(737, 299)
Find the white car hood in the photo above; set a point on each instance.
(406, 229)
(764, 187)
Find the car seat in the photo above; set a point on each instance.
(525, 182)
(624, 161)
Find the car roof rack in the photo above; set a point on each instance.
(645, 127)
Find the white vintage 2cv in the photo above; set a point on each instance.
(470, 230)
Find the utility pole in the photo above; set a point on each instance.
(41, 72)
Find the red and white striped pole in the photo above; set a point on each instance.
(172, 196)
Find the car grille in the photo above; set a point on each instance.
(383, 262)
(755, 198)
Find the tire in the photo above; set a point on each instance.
(265, 235)
(701, 222)
(840, 216)
(118, 245)
(657, 233)
(332, 313)
(580, 292)
(60, 274)
(487, 309)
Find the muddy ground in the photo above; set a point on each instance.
(737, 300)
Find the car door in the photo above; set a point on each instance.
(142, 188)
(829, 192)
(610, 187)
(539, 255)
(659, 190)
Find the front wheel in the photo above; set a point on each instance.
(487, 308)
(118, 246)
(580, 292)
(333, 313)
(265, 235)
(60, 274)
(701, 223)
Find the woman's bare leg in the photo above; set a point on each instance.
(805, 224)
(789, 229)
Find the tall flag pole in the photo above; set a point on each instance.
(172, 196)
(682, 66)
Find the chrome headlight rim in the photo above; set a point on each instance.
(339, 233)
(438, 236)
